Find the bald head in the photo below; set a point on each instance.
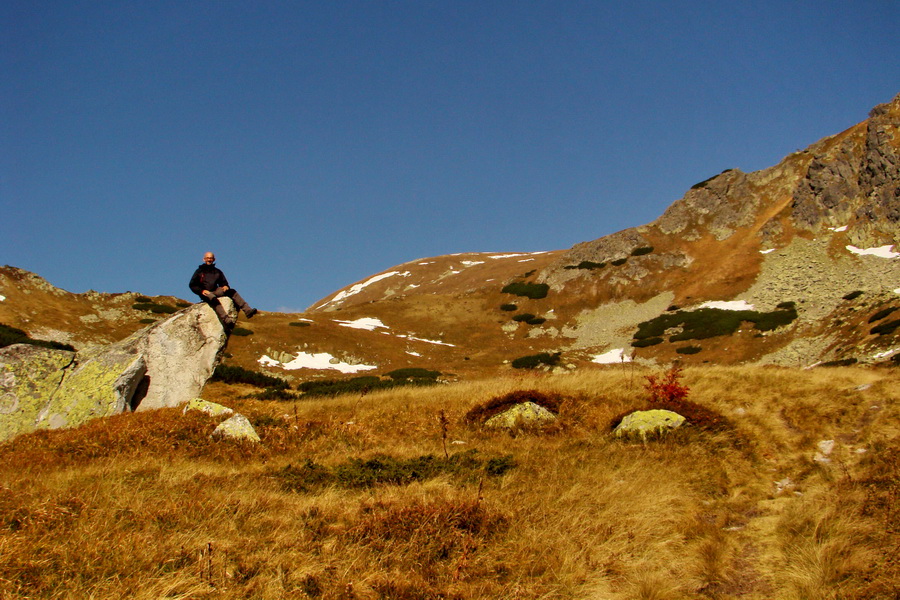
(209, 258)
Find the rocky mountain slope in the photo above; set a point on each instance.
(796, 265)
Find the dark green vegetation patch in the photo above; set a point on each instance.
(644, 343)
(230, 374)
(885, 328)
(299, 324)
(882, 314)
(853, 295)
(11, 335)
(712, 322)
(154, 307)
(508, 307)
(534, 360)
(619, 262)
(642, 251)
(387, 470)
(689, 350)
(523, 317)
(413, 373)
(241, 331)
(367, 383)
(587, 264)
(535, 291)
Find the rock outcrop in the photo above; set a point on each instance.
(165, 364)
(644, 423)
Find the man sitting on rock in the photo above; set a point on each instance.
(210, 284)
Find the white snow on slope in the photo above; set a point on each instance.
(321, 360)
(472, 263)
(612, 357)
(884, 354)
(881, 251)
(367, 323)
(361, 286)
(732, 305)
(838, 229)
(2, 298)
(767, 251)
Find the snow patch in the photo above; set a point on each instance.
(612, 357)
(411, 353)
(472, 263)
(838, 229)
(361, 286)
(367, 323)
(2, 298)
(321, 360)
(732, 305)
(884, 354)
(415, 339)
(881, 251)
(767, 251)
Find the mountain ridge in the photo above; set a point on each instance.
(807, 233)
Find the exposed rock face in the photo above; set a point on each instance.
(166, 364)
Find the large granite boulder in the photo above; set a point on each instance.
(165, 364)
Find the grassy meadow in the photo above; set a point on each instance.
(393, 495)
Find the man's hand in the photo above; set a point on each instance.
(224, 288)
(208, 294)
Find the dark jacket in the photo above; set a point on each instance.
(207, 277)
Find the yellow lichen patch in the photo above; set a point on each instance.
(646, 422)
(29, 375)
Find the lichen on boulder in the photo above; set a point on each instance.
(210, 408)
(521, 415)
(237, 427)
(644, 423)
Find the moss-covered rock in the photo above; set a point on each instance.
(521, 415)
(210, 408)
(644, 423)
(237, 427)
(29, 376)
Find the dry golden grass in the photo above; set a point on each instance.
(147, 506)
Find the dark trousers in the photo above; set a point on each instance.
(220, 310)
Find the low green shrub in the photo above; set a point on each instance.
(523, 317)
(412, 373)
(642, 251)
(885, 328)
(147, 321)
(645, 342)
(712, 322)
(12, 335)
(183, 304)
(688, 350)
(234, 374)
(241, 331)
(387, 470)
(853, 295)
(882, 314)
(271, 393)
(143, 299)
(619, 262)
(587, 264)
(508, 307)
(536, 321)
(368, 383)
(299, 324)
(535, 360)
(535, 291)
(154, 307)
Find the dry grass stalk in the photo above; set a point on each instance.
(147, 506)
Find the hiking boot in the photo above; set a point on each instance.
(251, 312)
(229, 326)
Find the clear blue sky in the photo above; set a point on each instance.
(312, 144)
